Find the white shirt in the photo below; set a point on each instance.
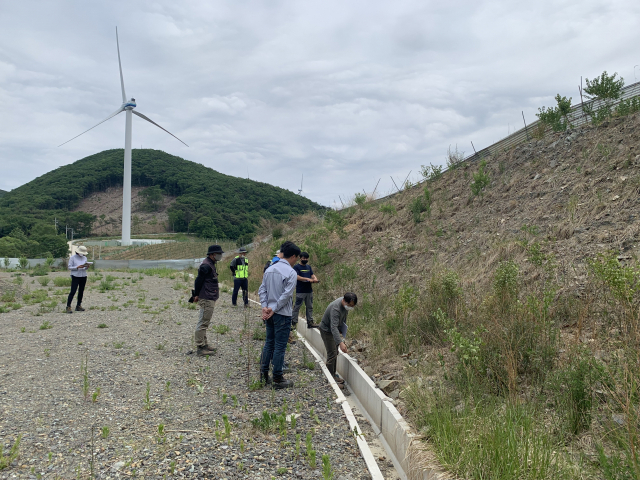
(74, 262)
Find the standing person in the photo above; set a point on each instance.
(78, 266)
(275, 293)
(333, 322)
(240, 269)
(206, 292)
(304, 292)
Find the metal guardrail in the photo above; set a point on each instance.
(577, 117)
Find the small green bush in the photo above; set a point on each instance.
(480, 179)
(62, 281)
(388, 209)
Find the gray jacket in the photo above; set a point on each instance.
(335, 316)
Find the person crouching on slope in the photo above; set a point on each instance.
(206, 292)
(78, 266)
(334, 322)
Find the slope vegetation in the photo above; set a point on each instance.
(206, 202)
(500, 302)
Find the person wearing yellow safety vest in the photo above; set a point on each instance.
(240, 269)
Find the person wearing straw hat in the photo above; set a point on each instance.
(78, 267)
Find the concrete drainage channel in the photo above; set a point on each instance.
(391, 429)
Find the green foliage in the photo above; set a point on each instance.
(480, 179)
(7, 460)
(360, 199)
(327, 473)
(152, 199)
(431, 172)
(335, 221)
(388, 209)
(606, 89)
(62, 281)
(575, 386)
(627, 107)
(622, 281)
(317, 246)
(505, 282)
(421, 204)
(208, 203)
(556, 117)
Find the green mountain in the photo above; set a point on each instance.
(207, 203)
(2, 193)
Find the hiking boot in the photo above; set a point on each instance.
(292, 337)
(204, 351)
(69, 310)
(339, 381)
(79, 308)
(280, 383)
(313, 325)
(265, 378)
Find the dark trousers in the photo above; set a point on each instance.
(307, 299)
(332, 351)
(77, 283)
(239, 283)
(275, 345)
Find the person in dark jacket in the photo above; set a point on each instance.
(333, 323)
(206, 292)
(240, 269)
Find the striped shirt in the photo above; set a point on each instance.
(277, 286)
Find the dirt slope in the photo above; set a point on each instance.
(109, 204)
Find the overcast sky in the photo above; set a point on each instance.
(346, 92)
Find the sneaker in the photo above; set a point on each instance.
(280, 383)
(234, 306)
(69, 310)
(204, 351)
(313, 325)
(339, 381)
(79, 308)
(292, 337)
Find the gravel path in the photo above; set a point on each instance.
(159, 412)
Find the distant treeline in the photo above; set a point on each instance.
(208, 203)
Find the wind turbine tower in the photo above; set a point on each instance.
(301, 180)
(127, 107)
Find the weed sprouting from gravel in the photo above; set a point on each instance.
(147, 399)
(102, 325)
(95, 395)
(167, 386)
(46, 325)
(118, 344)
(105, 432)
(224, 398)
(84, 371)
(227, 427)
(234, 398)
(327, 473)
(6, 460)
(297, 445)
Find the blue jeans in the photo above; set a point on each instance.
(275, 345)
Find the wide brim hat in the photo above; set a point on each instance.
(242, 250)
(214, 249)
(82, 250)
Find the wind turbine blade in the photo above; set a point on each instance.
(151, 121)
(110, 116)
(124, 96)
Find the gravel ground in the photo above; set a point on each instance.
(145, 380)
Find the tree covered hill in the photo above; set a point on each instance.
(207, 202)
(2, 193)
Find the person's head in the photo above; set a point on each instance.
(349, 300)
(82, 250)
(304, 258)
(215, 253)
(290, 252)
(242, 252)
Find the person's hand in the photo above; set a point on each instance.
(195, 299)
(267, 313)
(343, 347)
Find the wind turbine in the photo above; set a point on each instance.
(300, 191)
(127, 107)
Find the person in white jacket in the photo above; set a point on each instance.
(78, 266)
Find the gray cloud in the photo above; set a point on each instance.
(348, 92)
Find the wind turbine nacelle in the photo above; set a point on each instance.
(130, 105)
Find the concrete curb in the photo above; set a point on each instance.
(365, 451)
(392, 430)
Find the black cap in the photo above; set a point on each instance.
(214, 249)
(242, 250)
